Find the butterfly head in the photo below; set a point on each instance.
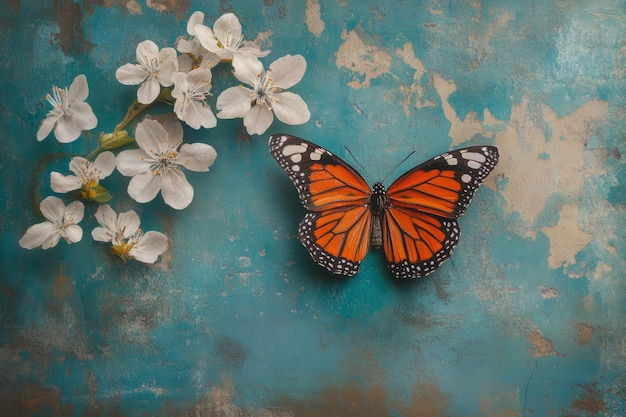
(379, 199)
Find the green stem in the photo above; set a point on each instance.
(119, 137)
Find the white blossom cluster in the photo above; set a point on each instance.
(156, 165)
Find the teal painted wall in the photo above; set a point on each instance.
(526, 319)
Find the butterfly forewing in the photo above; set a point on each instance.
(336, 231)
(419, 226)
(444, 185)
(323, 180)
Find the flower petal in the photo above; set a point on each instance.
(107, 218)
(207, 39)
(78, 90)
(144, 187)
(52, 241)
(67, 130)
(64, 184)
(195, 19)
(74, 212)
(197, 156)
(72, 233)
(247, 68)
(180, 84)
(288, 70)
(52, 209)
(196, 115)
(128, 222)
(200, 76)
(257, 120)
(130, 74)
(105, 162)
(38, 234)
(233, 102)
(83, 116)
(291, 109)
(146, 50)
(148, 91)
(46, 127)
(176, 190)
(227, 26)
(100, 234)
(150, 135)
(149, 247)
(133, 162)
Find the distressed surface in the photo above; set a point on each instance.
(526, 319)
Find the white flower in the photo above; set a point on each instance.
(255, 104)
(87, 175)
(226, 38)
(194, 55)
(190, 92)
(157, 165)
(127, 239)
(154, 68)
(70, 114)
(62, 223)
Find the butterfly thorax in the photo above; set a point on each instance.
(378, 203)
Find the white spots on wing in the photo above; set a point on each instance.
(452, 161)
(316, 155)
(295, 168)
(466, 178)
(474, 164)
(296, 157)
(293, 149)
(474, 156)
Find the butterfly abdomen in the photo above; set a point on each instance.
(378, 203)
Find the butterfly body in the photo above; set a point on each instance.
(414, 220)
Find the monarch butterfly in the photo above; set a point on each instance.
(414, 220)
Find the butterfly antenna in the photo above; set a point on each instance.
(397, 165)
(359, 164)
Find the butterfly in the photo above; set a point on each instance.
(414, 220)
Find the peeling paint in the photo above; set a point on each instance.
(541, 346)
(548, 292)
(565, 169)
(369, 61)
(585, 334)
(566, 238)
(470, 126)
(178, 7)
(591, 402)
(313, 17)
(415, 89)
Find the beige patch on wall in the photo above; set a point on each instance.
(470, 126)
(541, 346)
(566, 238)
(407, 55)
(313, 17)
(539, 163)
(361, 58)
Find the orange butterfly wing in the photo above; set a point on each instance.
(337, 229)
(420, 230)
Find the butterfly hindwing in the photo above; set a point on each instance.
(337, 229)
(420, 230)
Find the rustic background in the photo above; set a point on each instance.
(526, 319)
